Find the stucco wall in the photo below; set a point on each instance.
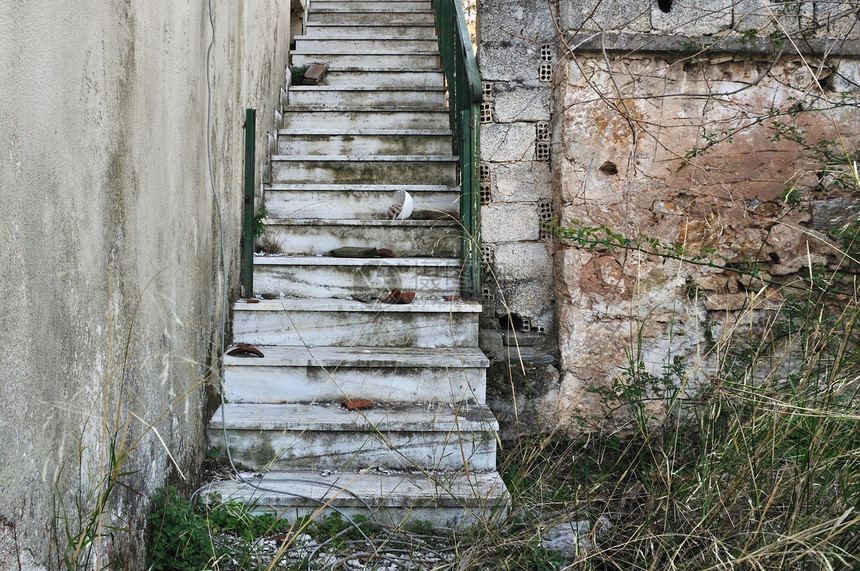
(110, 234)
(627, 92)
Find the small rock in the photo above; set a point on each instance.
(572, 538)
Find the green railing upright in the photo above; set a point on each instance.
(464, 99)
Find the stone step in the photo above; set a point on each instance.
(297, 436)
(369, 30)
(310, 117)
(431, 323)
(407, 238)
(323, 276)
(452, 501)
(364, 142)
(361, 201)
(368, 58)
(384, 77)
(365, 169)
(332, 374)
(350, 5)
(429, 98)
(365, 45)
(404, 17)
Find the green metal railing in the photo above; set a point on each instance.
(248, 212)
(464, 99)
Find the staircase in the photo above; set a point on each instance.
(426, 450)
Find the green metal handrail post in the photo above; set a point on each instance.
(248, 212)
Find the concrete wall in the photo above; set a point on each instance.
(625, 94)
(110, 265)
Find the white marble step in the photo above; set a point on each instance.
(406, 238)
(426, 322)
(386, 57)
(365, 45)
(328, 437)
(431, 98)
(364, 142)
(388, 5)
(362, 201)
(403, 16)
(365, 169)
(376, 77)
(315, 276)
(453, 501)
(369, 30)
(309, 117)
(331, 374)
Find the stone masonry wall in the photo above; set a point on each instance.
(700, 128)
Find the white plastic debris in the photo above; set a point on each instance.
(402, 207)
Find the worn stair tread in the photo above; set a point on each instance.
(281, 488)
(371, 69)
(372, 10)
(358, 262)
(350, 305)
(375, 37)
(334, 131)
(351, 109)
(366, 158)
(361, 187)
(409, 417)
(384, 222)
(363, 88)
(301, 356)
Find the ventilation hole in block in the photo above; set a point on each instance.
(546, 52)
(541, 151)
(487, 112)
(487, 294)
(488, 253)
(609, 168)
(511, 322)
(484, 171)
(487, 90)
(664, 5)
(545, 71)
(486, 196)
(542, 131)
(544, 234)
(545, 210)
(527, 325)
(540, 329)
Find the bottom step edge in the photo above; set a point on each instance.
(446, 500)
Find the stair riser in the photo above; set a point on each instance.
(336, 31)
(358, 172)
(339, 450)
(420, 98)
(309, 120)
(343, 281)
(406, 79)
(346, 329)
(393, 18)
(341, 45)
(350, 204)
(367, 60)
(392, 5)
(406, 241)
(379, 384)
(364, 144)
